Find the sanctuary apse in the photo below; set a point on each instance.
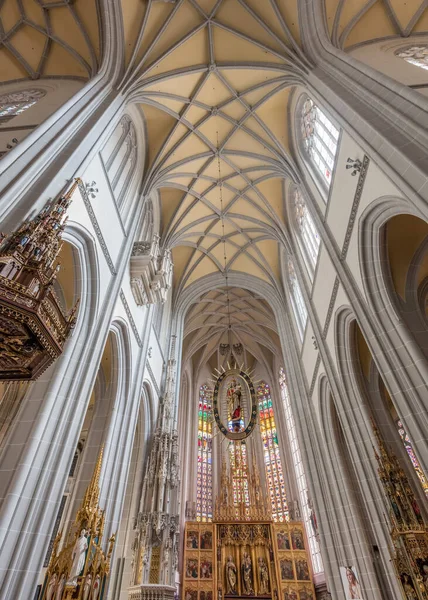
(213, 299)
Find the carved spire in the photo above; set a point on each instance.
(89, 513)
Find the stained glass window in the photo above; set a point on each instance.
(239, 470)
(297, 301)
(204, 508)
(308, 232)
(272, 459)
(320, 138)
(408, 445)
(415, 55)
(302, 485)
(16, 103)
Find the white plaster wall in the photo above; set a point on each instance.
(308, 354)
(323, 285)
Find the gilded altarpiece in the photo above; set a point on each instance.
(246, 560)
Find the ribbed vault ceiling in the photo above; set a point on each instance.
(354, 22)
(48, 38)
(252, 325)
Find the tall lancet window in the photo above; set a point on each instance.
(272, 459)
(308, 232)
(320, 139)
(408, 445)
(297, 301)
(204, 503)
(239, 470)
(415, 55)
(309, 517)
(16, 103)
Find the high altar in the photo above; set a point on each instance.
(242, 553)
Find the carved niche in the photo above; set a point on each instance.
(151, 272)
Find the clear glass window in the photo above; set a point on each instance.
(16, 103)
(297, 301)
(408, 445)
(306, 226)
(415, 55)
(320, 139)
(307, 513)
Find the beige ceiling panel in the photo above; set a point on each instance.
(244, 264)
(158, 125)
(243, 79)
(213, 92)
(199, 211)
(273, 189)
(60, 61)
(244, 223)
(375, 23)
(229, 228)
(214, 196)
(88, 14)
(132, 16)
(11, 68)
(289, 10)
(257, 128)
(235, 110)
(191, 146)
(159, 12)
(274, 114)
(216, 129)
(169, 201)
(185, 19)
(190, 53)
(180, 257)
(66, 28)
(237, 182)
(175, 105)
(244, 162)
(182, 208)
(259, 173)
(235, 16)
(229, 45)
(10, 14)
(205, 267)
(183, 85)
(212, 169)
(253, 98)
(246, 209)
(194, 114)
(201, 185)
(218, 252)
(349, 10)
(33, 12)
(30, 44)
(207, 5)
(246, 142)
(422, 24)
(267, 13)
(269, 250)
(180, 131)
(405, 10)
(330, 7)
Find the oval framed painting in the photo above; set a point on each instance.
(235, 404)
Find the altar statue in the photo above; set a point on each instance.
(264, 576)
(247, 574)
(78, 558)
(51, 587)
(230, 576)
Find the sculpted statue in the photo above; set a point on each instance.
(51, 586)
(60, 587)
(247, 574)
(87, 586)
(78, 558)
(264, 576)
(231, 576)
(96, 588)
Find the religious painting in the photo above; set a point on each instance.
(290, 593)
(192, 568)
(351, 583)
(190, 594)
(206, 569)
(306, 594)
(282, 540)
(192, 539)
(205, 595)
(206, 540)
(286, 568)
(297, 539)
(302, 570)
